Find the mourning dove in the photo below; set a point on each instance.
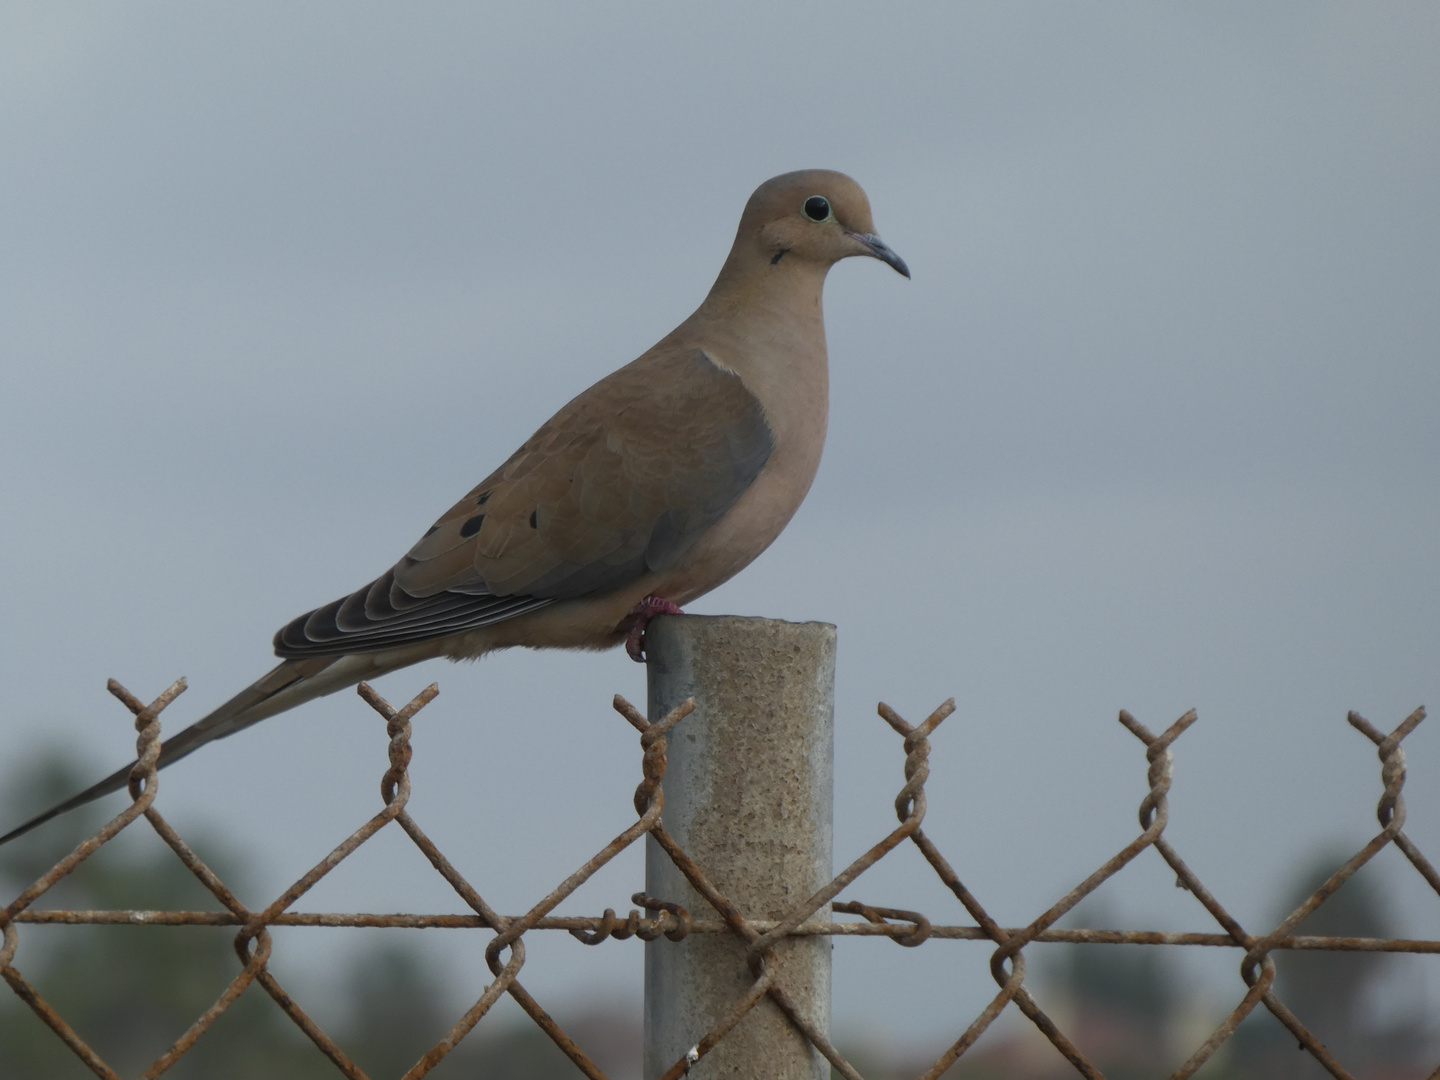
(651, 488)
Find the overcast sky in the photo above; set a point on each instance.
(1153, 427)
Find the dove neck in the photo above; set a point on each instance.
(757, 301)
(769, 329)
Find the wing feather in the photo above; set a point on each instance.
(620, 482)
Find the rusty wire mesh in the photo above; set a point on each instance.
(907, 928)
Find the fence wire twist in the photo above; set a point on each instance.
(666, 919)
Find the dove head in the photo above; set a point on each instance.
(811, 219)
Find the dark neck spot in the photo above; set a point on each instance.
(779, 255)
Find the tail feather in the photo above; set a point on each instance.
(114, 782)
(287, 685)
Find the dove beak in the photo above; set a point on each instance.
(882, 251)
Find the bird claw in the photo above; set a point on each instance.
(644, 611)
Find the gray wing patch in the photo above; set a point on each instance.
(718, 442)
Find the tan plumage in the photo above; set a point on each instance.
(663, 479)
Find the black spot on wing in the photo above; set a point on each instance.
(472, 525)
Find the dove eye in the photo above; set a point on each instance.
(817, 208)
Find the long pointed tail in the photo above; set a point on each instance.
(287, 685)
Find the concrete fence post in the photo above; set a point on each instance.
(749, 795)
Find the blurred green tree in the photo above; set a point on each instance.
(1122, 999)
(130, 991)
(1329, 991)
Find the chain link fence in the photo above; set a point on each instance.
(656, 917)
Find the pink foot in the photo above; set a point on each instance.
(644, 611)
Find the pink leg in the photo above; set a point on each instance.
(644, 611)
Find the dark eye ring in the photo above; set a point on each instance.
(817, 208)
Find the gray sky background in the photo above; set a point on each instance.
(1153, 427)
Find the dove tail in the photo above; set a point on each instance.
(287, 685)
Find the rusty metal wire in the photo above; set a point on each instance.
(665, 919)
